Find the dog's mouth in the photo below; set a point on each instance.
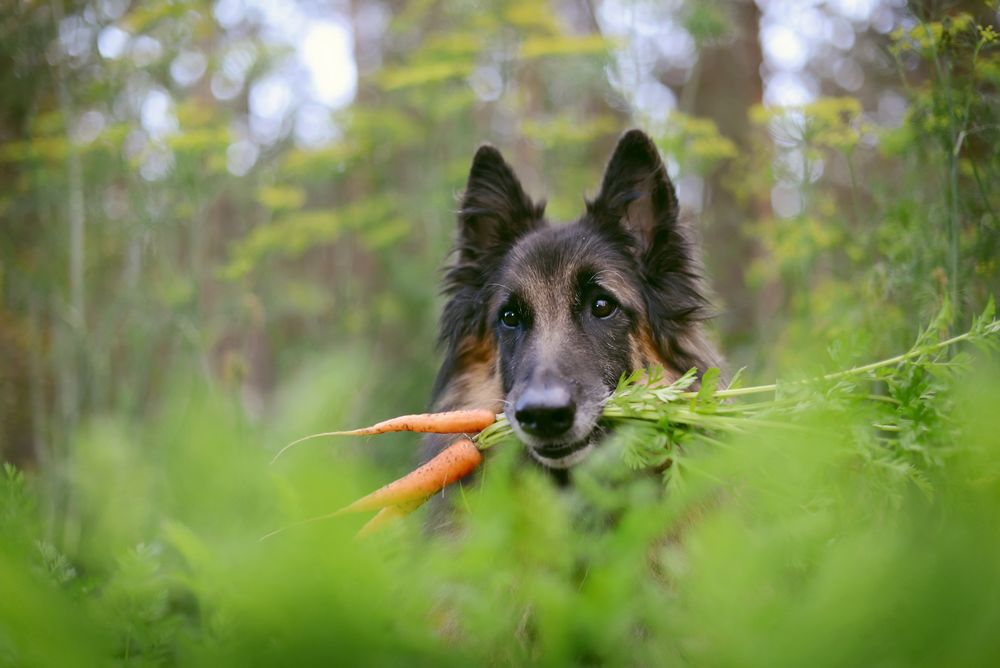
(558, 451)
(563, 455)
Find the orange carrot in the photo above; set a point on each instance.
(403, 496)
(470, 421)
(450, 422)
(453, 463)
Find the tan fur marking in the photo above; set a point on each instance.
(476, 384)
(645, 355)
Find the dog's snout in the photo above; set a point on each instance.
(546, 412)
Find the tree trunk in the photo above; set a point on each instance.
(728, 84)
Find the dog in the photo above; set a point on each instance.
(541, 320)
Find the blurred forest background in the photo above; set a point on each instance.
(252, 199)
(233, 189)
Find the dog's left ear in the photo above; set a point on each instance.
(638, 197)
(638, 205)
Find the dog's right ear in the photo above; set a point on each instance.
(495, 209)
(495, 213)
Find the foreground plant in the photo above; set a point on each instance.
(664, 415)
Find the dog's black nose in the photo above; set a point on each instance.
(545, 411)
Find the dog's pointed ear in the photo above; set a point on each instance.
(638, 206)
(637, 193)
(495, 209)
(495, 212)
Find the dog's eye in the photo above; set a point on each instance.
(603, 307)
(510, 318)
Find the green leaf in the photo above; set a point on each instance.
(737, 380)
(706, 401)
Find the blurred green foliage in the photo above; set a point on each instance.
(773, 549)
(179, 300)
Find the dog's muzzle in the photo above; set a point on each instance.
(547, 418)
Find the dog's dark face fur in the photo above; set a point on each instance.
(543, 320)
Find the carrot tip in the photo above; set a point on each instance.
(387, 516)
(307, 438)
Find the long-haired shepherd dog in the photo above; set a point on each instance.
(542, 320)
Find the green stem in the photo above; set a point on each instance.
(983, 193)
(951, 147)
(916, 352)
(855, 208)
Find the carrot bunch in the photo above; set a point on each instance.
(408, 493)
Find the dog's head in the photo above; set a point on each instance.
(559, 313)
